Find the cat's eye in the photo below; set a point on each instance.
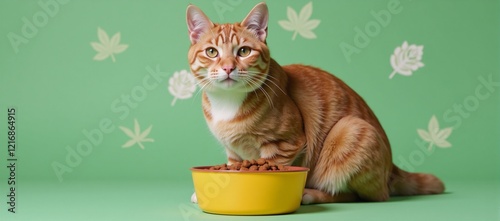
(211, 52)
(244, 51)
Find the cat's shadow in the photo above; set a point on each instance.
(417, 197)
(318, 208)
(314, 208)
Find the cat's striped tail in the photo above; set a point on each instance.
(403, 183)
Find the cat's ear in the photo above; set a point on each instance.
(256, 21)
(197, 22)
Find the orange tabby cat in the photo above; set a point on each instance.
(293, 114)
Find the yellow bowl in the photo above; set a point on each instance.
(249, 192)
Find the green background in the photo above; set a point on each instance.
(61, 94)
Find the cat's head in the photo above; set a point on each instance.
(229, 57)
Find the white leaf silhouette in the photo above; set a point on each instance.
(107, 47)
(137, 137)
(433, 126)
(300, 24)
(434, 135)
(181, 85)
(424, 135)
(406, 59)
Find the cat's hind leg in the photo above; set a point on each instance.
(354, 159)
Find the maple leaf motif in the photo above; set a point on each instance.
(434, 135)
(137, 137)
(300, 23)
(107, 47)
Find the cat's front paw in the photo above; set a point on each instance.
(193, 198)
(307, 197)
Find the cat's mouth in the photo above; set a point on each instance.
(228, 82)
(232, 81)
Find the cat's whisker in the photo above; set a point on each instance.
(249, 84)
(258, 81)
(263, 82)
(268, 97)
(271, 78)
(199, 82)
(202, 84)
(259, 84)
(253, 85)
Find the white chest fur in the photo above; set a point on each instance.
(225, 106)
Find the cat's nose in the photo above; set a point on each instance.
(228, 69)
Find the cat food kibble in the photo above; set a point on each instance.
(251, 165)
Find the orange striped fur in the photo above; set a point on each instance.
(294, 115)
